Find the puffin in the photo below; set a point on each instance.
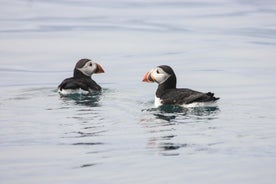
(81, 82)
(168, 94)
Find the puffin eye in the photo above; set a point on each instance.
(157, 71)
(90, 64)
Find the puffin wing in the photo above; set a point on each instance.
(72, 83)
(186, 96)
(82, 83)
(92, 85)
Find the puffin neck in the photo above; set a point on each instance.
(79, 74)
(170, 83)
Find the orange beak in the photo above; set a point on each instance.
(99, 69)
(148, 77)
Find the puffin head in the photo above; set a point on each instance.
(87, 67)
(161, 75)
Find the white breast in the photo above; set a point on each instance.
(157, 101)
(65, 92)
(200, 104)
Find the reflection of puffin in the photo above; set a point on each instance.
(167, 93)
(81, 81)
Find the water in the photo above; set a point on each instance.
(117, 136)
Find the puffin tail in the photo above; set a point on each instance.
(213, 98)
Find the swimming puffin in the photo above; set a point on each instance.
(81, 82)
(167, 93)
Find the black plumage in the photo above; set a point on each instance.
(81, 80)
(84, 83)
(169, 94)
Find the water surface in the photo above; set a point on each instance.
(118, 136)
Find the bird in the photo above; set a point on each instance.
(168, 94)
(81, 82)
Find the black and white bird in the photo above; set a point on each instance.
(167, 93)
(81, 82)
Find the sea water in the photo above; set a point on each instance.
(118, 136)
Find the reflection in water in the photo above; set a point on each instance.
(85, 126)
(171, 112)
(172, 109)
(169, 148)
(91, 99)
(204, 111)
(167, 112)
(165, 121)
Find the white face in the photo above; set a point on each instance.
(89, 68)
(159, 75)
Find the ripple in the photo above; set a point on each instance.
(87, 143)
(88, 165)
(171, 146)
(169, 128)
(90, 100)
(89, 134)
(172, 112)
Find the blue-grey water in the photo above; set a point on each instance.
(118, 136)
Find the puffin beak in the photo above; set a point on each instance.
(148, 77)
(99, 69)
